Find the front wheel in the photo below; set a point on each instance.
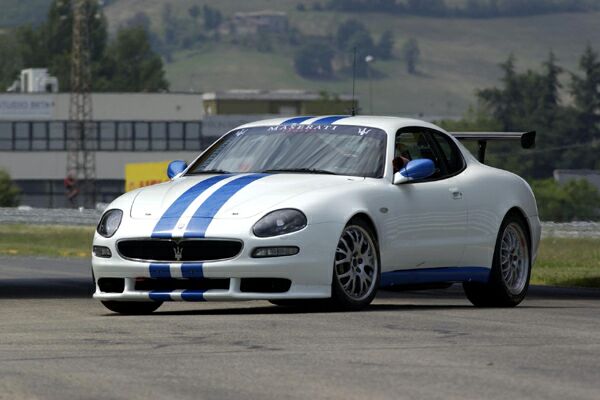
(511, 268)
(356, 269)
(132, 307)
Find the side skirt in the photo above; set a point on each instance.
(434, 275)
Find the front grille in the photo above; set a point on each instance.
(169, 250)
(168, 285)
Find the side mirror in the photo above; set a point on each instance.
(175, 168)
(420, 168)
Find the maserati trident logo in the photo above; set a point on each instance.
(178, 253)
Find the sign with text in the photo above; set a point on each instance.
(22, 106)
(138, 175)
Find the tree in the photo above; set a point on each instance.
(385, 46)
(131, 65)
(313, 60)
(574, 200)
(9, 192)
(10, 61)
(212, 17)
(346, 30)
(411, 53)
(586, 93)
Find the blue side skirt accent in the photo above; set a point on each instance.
(160, 296)
(193, 295)
(435, 275)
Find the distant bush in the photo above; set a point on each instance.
(575, 200)
(471, 9)
(9, 193)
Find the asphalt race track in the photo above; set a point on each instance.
(58, 343)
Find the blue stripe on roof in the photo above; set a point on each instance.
(295, 120)
(167, 222)
(192, 270)
(160, 270)
(160, 296)
(193, 295)
(207, 210)
(329, 120)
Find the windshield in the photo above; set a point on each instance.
(327, 149)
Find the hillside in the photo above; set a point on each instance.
(457, 55)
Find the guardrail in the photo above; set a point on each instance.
(66, 216)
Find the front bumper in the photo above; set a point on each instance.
(310, 271)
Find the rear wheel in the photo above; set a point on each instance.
(356, 269)
(132, 307)
(511, 268)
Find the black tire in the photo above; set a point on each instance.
(497, 292)
(132, 307)
(340, 298)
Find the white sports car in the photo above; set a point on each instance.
(332, 208)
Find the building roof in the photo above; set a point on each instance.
(281, 95)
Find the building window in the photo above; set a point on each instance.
(193, 136)
(6, 139)
(22, 136)
(142, 136)
(159, 136)
(176, 133)
(124, 136)
(56, 134)
(108, 135)
(40, 136)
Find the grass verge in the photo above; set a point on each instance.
(561, 262)
(568, 262)
(46, 240)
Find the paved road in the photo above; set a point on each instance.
(57, 343)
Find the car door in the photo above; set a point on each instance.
(428, 217)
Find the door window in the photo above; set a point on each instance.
(412, 145)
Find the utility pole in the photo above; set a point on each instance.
(369, 59)
(81, 131)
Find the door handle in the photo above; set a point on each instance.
(456, 193)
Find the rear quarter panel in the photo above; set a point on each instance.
(490, 194)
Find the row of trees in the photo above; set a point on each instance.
(124, 63)
(316, 57)
(568, 135)
(471, 8)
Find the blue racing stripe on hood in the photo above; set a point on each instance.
(207, 210)
(296, 120)
(167, 222)
(329, 120)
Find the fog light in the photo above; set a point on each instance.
(279, 251)
(101, 251)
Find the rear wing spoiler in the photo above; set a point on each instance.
(527, 139)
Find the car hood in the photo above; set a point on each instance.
(219, 196)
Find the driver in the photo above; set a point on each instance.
(400, 160)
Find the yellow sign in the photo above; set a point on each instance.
(145, 174)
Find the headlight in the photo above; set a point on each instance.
(109, 223)
(280, 222)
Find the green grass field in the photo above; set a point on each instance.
(561, 262)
